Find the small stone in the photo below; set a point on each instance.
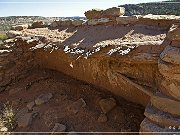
(102, 118)
(43, 98)
(15, 90)
(59, 128)
(30, 105)
(76, 106)
(107, 104)
(25, 120)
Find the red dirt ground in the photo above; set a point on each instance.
(126, 116)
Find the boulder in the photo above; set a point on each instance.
(38, 24)
(12, 33)
(77, 22)
(107, 104)
(98, 21)
(174, 33)
(171, 54)
(114, 12)
(108, 13)
(126, 19)
(94, 14)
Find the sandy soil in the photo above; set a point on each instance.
(126, 116)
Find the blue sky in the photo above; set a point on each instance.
(58, 7)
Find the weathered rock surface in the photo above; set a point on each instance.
(43, 98)
(158, 20)
(94, 14)
(98, 21)
(126, 19)
(166, 104)
(171, 88)
(171, 54)
(108, 13)
(160, 117)
(169, 71)
(114, 12)
(147, 126)
(107, 104)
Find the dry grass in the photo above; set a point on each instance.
(7, 119)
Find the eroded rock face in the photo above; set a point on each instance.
(127, 19)
(166, 103)
(133, 61)
(171, 55)
(98, 21)
(108, 13)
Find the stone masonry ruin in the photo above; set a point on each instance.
(135, 57)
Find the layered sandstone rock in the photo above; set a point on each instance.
(108, 13)
(15, 59)
(166, 103)
(136, 61)
(126, 19)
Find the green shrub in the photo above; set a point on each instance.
(3, 37)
